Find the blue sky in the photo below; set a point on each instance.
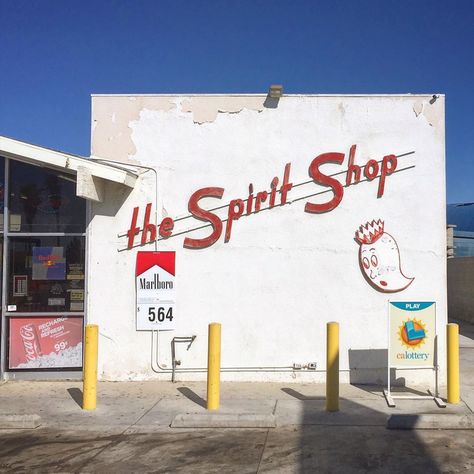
(54, 54)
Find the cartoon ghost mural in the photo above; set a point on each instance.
(379, 258)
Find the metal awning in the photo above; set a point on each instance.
(90, 174)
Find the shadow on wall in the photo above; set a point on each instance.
(271, 102)
(368, 370)
(115, 195)
(460, 284)
(369, 366)
(466, 329)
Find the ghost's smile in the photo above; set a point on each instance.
(380, 258)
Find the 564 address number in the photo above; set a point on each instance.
(160, 314)
(156, 316)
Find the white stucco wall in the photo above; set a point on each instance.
(285, 272)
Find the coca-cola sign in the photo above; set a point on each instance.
(30, 342)
(45, 343)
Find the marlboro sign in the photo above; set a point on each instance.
(156, 290)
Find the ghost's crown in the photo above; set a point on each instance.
(370, 232)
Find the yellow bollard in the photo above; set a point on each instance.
(332, 367)
(89, 392)
(453, 362)
(214, 366)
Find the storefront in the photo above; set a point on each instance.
(283, 213)
(280, 214)
(43, 240)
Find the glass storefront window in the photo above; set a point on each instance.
(45, 343)
(46, 274)
(44, 282)
(44, 200)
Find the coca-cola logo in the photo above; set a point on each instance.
(32, 350)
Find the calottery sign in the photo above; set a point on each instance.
(257, 201)
(156, 290)
(412, 327)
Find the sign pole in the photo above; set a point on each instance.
(412, 344)
(386, 393)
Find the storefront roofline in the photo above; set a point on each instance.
(264, 94)
(89, 173)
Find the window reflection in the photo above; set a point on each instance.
(43, 200)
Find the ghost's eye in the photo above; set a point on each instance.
(366, 263)
(374, 260)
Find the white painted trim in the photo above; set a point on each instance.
(264, 94)
(41, 156)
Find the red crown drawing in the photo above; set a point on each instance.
(370, 232)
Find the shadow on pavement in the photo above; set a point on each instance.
(76, 395)
(352, 440)
(193, 396)
(299, 395)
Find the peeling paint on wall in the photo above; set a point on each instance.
(111, 118)
(431, 109)
(418, 107)
(205, 109)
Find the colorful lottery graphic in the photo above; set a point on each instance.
(412, 333)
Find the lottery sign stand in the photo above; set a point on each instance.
(412, 344)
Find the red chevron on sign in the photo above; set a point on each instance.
(146, 260)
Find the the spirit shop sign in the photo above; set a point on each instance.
(156, 290)
(256, 201)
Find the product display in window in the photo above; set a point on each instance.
(48, 263)
(47, 274)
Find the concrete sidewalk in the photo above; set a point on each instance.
(290, 432)
(148, 407)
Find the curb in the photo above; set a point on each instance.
(224, 420)
(19, 421)
(430, 422)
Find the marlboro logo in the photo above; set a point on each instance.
(155, 283)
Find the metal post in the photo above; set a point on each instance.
(214, 366)
(453, 363)
(89, 392)
(6, 243)
(332, 367)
